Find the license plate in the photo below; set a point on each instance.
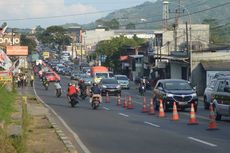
(182, 103)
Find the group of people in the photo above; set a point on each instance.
(23, 79)
(79, 89)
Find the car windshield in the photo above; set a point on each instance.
(122, 78)
(49, 74)
(177, 86)
(109, 81)
(101, 75)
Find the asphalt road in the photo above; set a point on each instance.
(113, 129)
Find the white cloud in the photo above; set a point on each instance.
(13, 9)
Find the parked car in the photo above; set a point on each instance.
(220, 96)
(123, 81)
(174, 90)
(110, 86)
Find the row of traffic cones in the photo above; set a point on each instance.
(175, 116)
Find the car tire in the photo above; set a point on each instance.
(206, 104)
(165, 107)
(218, 116)
(156, 106)
(195, 108)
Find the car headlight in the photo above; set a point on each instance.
(169, 95)
(194, 95)
(103, 86)
(118, 86)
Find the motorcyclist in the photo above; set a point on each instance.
(72, 91)
(45, 81)
(57, 86)
(82, 87)
(95, 90)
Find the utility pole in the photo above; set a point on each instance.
(178, 12)
(187, 45)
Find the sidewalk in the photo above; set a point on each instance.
(43, 135)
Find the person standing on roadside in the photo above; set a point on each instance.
(31, 80)
(18, 81)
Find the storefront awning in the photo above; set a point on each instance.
(220, 65)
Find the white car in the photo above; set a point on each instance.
(123, 81)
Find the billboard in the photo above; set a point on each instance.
(5, 62)
(6, 40)
(17, 50)
(5, 76)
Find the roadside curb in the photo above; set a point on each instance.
(66, 141)
(68, 144)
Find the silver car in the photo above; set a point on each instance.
(123, 81)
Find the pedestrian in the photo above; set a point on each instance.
(31, 80)
(21, 81)
(25, 80)
(18, 81)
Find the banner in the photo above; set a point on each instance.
(5, 62)
(17, 50)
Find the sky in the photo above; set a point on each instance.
(31, 13)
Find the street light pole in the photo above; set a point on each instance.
(190, 33)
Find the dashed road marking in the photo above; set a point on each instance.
(155, 125)
(106, 108)
(123, 115)
(201, 141)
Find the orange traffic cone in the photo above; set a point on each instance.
(144, 108)
(107, 97)
(130, 104)
(118, 100)
(151, 108)
(212, 123)
(125, 103)
(175, 116)
(192, 120)
(161, 110)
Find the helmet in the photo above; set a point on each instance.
(94, 84)
(69, 84)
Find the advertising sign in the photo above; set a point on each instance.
(212, 74)
(6, 40)
(5, 76)
(17, 50)
(5, 62)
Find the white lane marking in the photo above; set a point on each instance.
(201, 141)
(76, 137)
(106, 108)
(123, 115)
(155, 125)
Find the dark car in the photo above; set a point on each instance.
(220, 93)
(110, 86)
(174, 90)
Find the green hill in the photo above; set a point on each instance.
(149, 14)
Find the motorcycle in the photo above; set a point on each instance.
(95, 101)
(142, 90)
(58, 92)
(83, 94)
(46, 85)
(73, 100)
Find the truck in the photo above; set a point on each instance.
(99, 72)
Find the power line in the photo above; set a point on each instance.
(96, 12)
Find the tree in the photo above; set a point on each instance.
(113, 49)
(130, 26)
(30, 42)
(55, 35)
